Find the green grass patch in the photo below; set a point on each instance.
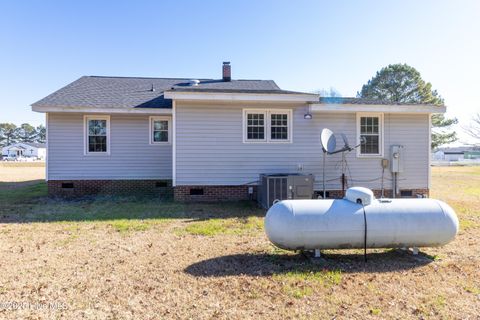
(23, 195)
(375, 311)
(297, 293)
(474, 191)
(466, 224)
(103, 209)
(325, 277)
(213, 227)
(473, 290)
(128, 225)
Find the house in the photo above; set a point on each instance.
(456, 153)
(210, 139)
(25, 149)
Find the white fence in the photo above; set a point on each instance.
(463, 162)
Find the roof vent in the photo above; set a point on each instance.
(194, 83)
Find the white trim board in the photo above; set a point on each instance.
(174, 144)
(314, 107)
(160, 111)
(46, 145)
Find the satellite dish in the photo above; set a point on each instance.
(329, 143)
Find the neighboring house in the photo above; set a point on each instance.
(25, 149)
(456, 153)
(211, 139)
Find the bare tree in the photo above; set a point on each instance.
(473, 129)
(330, 93)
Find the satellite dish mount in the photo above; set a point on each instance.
(329, 144)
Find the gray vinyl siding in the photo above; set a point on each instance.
(131, 155)
(210, 148)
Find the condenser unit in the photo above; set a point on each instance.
(276, 187)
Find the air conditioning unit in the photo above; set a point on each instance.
(276, 187)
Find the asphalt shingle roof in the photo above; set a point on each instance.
(36, 144)
(131, 92)
(32, 144)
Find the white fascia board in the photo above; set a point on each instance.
(226, 96)
(404, 108)
(102, 110)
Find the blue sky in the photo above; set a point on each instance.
(302, 45)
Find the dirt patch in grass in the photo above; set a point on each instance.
(130, 258)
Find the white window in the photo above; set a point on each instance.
(267, 125)
(370, 130)
(97, 134)
(160, 130)
(256, 126)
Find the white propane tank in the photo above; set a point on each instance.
(339, 223)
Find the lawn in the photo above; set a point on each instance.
(134, 258)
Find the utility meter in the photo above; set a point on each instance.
(396, 158)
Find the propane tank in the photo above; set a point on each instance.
(339, 223)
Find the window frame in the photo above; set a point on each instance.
(86, 118)
(151, 119)
(381, 140)
(268, 125)
(246, 112)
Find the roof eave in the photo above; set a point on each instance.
(241, 96)
(392, 108)
(79, 109)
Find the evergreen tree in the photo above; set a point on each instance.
(41, 134)
(404, 84)
(26, 133)
(8, 134)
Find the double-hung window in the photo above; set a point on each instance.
(279, 126)
(256, 126)
(160, 130)
(370, 133)
(97, 134)
(267, 125)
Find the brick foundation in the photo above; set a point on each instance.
(235, 193)
(163, 188)
(79, 188)
(214, 193)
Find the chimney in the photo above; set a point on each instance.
(227, 71)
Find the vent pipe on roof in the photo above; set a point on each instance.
(226, 71)
(194, 82)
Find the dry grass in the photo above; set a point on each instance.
(21, 172)
(146, 259)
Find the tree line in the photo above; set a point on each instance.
(10, 133)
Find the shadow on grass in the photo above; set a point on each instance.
(273, 264)
(30, 203)
(19, 184)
